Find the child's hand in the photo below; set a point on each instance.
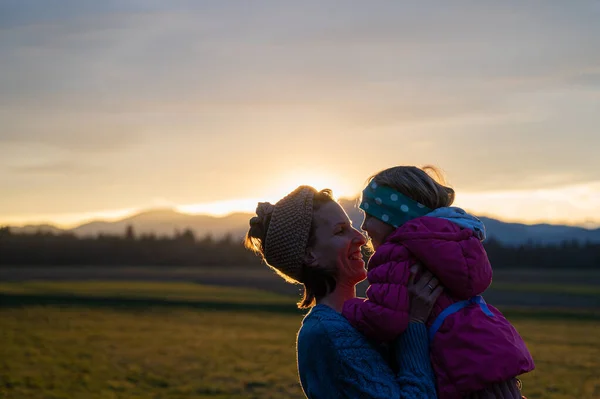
(423, 294)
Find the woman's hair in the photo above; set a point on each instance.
(318, 280)
(425, 185)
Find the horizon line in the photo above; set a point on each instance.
(123, 214)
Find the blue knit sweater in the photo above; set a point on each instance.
(336, 361)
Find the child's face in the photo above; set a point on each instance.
(376, 229)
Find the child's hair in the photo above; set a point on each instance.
(425, 185)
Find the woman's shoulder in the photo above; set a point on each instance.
(324, 326)
(322, 320)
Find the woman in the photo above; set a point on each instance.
(307, 238)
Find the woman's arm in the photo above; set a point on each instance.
(412, 347)
(334, 360)
(412, 353)
(353, 369)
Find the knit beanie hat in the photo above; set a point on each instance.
(289, 228)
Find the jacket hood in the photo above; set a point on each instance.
(454, 254)
(462, 218)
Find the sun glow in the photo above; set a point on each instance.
(220, 208)
(571, 205)
(574, 204)
(315, 178)
(281, 186)
(68, 220)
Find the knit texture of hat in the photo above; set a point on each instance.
(289, 229)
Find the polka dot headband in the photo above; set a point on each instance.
(390, 206)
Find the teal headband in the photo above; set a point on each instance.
(390, 206)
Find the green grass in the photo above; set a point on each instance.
(154, 340)
(145, 290)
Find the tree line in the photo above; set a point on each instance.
(184, 248)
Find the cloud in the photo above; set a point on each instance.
(500, 94)
(54, 168)
(291, 53)
(75, 132)
(587, 79)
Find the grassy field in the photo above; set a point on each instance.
(177, 340)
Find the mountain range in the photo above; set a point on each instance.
(167, 221)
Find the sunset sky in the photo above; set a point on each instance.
(110, 107)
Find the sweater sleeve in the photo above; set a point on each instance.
(350, 370)
(412, 353)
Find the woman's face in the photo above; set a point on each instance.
(338, 244)
(376, 229)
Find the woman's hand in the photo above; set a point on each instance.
(423, 294)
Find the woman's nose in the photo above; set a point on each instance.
(360, 237)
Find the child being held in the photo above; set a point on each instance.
(409, 220)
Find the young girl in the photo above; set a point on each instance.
(409, 220)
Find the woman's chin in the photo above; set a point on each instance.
(361, 274)
(359, 264)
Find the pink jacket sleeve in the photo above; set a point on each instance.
(383, 314)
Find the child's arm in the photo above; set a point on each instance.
(383, 315)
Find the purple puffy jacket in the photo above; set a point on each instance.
(472, 348)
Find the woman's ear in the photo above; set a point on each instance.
(310, 258)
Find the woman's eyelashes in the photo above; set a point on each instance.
(340, 230)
